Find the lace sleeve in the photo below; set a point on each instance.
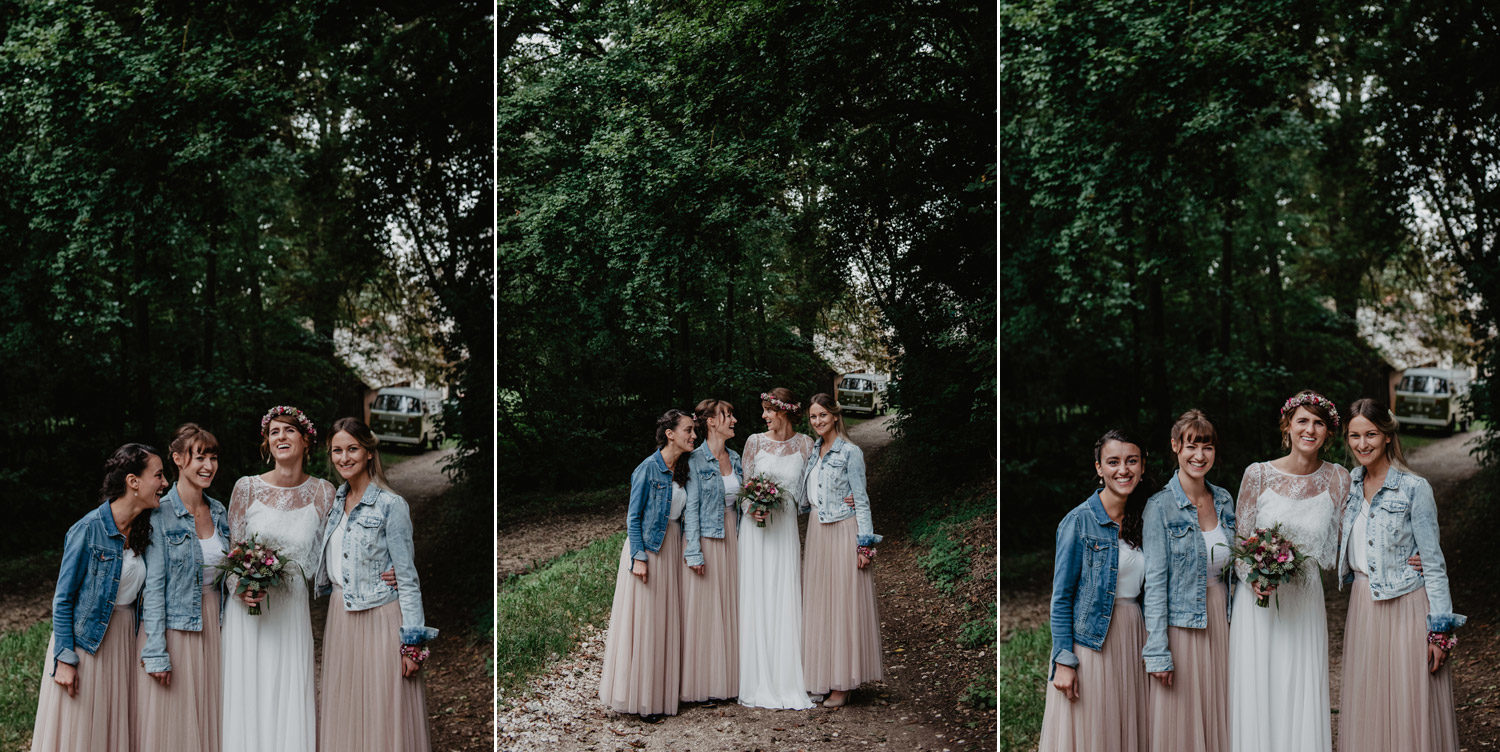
(804, 445)
(324, 499)
(752, 448)
(1339, 491)
(1244, 509)
(239, 504)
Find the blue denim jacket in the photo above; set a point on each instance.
(650, 505)
(705, 490)
(1084, 571)
(172, 597)
(87, 583)
(377, 538)
(842, 472)
(1403, 521)
(1177, 566)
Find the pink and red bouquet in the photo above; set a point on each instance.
(763, 495)
(258, 567)
(1271, 557)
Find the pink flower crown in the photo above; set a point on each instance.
(291, 412)
(786, 407)
(1317, 400)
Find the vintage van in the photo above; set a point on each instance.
(861, 392)
(1433, 397)
(404, 415)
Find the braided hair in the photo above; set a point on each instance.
(668, 422)
(128, 460)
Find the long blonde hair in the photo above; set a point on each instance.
(827, 402)
(366, 438)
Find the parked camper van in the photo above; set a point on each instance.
(403, 415)
(1433, 397)
(861, 392)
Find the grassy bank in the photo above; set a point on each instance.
(21, 654)
(543, 610)
(1023, 659)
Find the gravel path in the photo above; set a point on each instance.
(560, 710)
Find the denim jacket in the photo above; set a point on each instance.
(1176, 587)
(172, 597)
(842, 472)
(87, 583)
(1084, 571)
(377, 538)
(1403, 521)
(705, 490)
(650, 506)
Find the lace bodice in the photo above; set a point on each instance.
(1309, 507)
(290, 519)
(781, 461)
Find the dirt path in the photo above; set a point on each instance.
(560, 710)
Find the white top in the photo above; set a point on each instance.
(679, 501)
(1218, 552)
(132, 577)
(1359, 555)
(336, 552)
(1132, 573)
(731, 489)
(213, 554)
(815, 481)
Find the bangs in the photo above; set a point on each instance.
(204, 443)
(1196, 431)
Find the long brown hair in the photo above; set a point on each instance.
(668, 422)
(366, 438)
(1376, 412)
(827, 402)
(128, 460)
(1133, 523)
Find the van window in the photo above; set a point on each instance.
(1423, 385)
(398, 403)
(856, 385)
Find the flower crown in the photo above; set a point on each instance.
(291, 412)
(786, 407)
(1317, 400)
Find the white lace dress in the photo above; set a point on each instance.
(1278, 655)
(770, 586)
(269, 701)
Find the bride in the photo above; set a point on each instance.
(769, 570)
(1278, 655)
(268, 658)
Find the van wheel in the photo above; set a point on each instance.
(1448, 429)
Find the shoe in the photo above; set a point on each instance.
(836, 699)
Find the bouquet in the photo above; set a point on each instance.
(258, 567)
(763, 495)
(1271, 557)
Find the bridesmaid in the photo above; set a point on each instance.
(710, 606)
(181, 607)
(87, 698)
(374, 641)
(840, 621)
(643, 651)
(1186, 544)
(1398, 687)
(1098, 695)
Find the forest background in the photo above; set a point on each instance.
(202, 201)
(1215, 206)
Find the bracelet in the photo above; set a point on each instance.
(867, 552)
(1443, 640)
(417, 654)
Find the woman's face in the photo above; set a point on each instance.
(348, 456)
(681, 437)
(1120, 466)
(1195, 457)
(1366, 441)
(821, 420)
(151, 484)
(1307, 432)
(287, 443)
(722, 424)
(775, 419)
(196, 467)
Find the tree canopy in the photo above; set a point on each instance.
(199, 195)
(691, 192)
